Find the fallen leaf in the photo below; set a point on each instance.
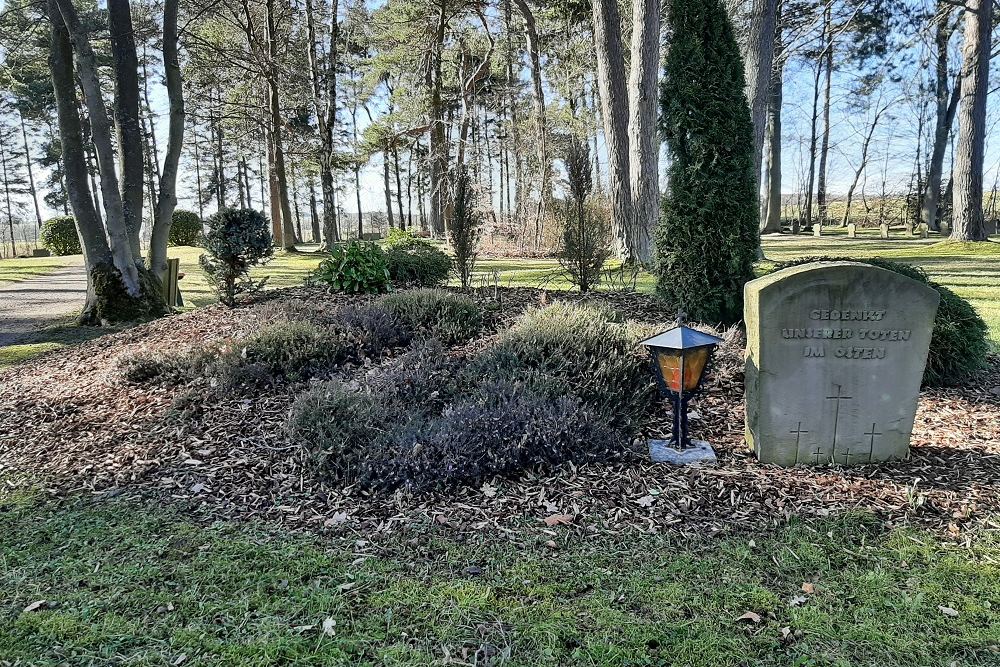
(329, 625)
(786, 632)
(488, 490)
(559, 519)
(343, 588)
(645, 501)
(797, 600)
(808, 587)
(947, 611)
(197, 488)
(473, 571)
(181, 659)
(749, 616)
(34, 606)
(337, 519)
(550, 544)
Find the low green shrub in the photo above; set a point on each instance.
(960, 340)
(586, 347)
(436, 313)
(416, 262)
(185, 228)
(59, 236)
(396, 236)
(355, 267)
(293, 349)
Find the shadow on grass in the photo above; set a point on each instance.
(52, 338)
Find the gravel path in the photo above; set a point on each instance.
(30, 305)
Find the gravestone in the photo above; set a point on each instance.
(923, 231)
(883, 230)
(835, 355)
(818, 229)
(908, 228)
(852, 230)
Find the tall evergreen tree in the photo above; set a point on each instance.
(707, 238)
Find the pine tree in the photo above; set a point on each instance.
(707, 239)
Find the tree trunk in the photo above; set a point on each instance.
(758, 56)
(772, 216)
(811, 178)
(968, 221)
(96, 250)
(861, 165)
(313, 212)
(388, 190)
(324, 84)
(274, 107)
(438, 149)
(824, 150)
(31, 175)
(166, 200)
(541, 130)
(947, 105)
(121, 250)
(644, 148)
(126, 114)
(399, 185)
(614, 113)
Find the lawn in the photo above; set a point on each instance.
(97, 582)
(22, 268)
(971, 270)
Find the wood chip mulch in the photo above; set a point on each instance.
(68, 422)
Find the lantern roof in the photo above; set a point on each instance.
(681, 338)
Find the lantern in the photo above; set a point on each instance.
(680, 357)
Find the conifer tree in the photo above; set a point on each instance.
(707, 239)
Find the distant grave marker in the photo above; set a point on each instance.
(835, 356)
(852, 230)
(883, 231)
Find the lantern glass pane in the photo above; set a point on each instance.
(694, 365)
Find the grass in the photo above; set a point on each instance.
(22, 268)
(123, 583)
(972, 270)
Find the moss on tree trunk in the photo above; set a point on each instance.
(108, 302)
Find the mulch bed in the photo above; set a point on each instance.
(67, 421)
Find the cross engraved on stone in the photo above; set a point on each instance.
(798, 436)
(847, 456)
(817, 454)
(871, 444)
(836, 414)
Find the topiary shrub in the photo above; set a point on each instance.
(355, 267)
(587, 348)
(415, 262)
(59, 236)
(436, 313)
(707, 239)
(960, 340)
(236, 241)
(185, 228)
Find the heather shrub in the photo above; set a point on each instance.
(374, 328)
(416, 262)
(149, 367)
(340, 427)
(355, 267)
(185, 228)
(960, 340)
(293, 349)
(436, 313)
(59, 236)
(497, 430)
(587, 348)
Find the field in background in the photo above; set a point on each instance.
(972, 270)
